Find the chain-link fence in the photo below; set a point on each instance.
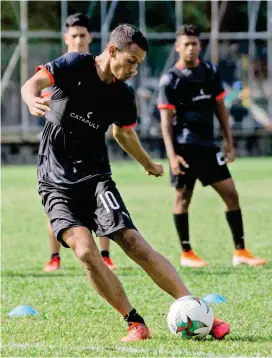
(242, 56)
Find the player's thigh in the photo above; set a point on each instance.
(210, 166)
(63, 211)
(110, 212)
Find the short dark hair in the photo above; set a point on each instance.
(188, 30)
(125, 34)
(78, 19)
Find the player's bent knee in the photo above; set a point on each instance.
(182, 199)
(232, 198)
(81, 241)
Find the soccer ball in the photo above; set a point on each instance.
(189, 317)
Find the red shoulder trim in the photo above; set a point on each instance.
(131, 125)
(43, 68)
(166, 106)
(221, 95)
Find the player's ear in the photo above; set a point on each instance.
(177, 46)
(112, 50)
(65, 38)
(90, 37)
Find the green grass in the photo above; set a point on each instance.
(75, 322)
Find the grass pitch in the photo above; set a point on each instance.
(74, 321)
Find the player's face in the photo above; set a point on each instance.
(124, 63)
(188, 47)
(77, 39)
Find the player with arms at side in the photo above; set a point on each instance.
(77, 37)
(190, 94)
(74, 174)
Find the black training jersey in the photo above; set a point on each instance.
(72, 149)
(191, 93)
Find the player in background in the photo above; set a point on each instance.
(77, 36)
(190, 94)
(74, 173)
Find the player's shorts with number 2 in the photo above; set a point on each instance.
(206, 164)
(99, 207)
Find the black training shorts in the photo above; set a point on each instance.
(205, 163)
(98, 206)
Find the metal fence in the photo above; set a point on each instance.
(244, 55)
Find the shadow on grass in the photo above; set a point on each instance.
(224, 270)
(249, 338)
(227, 340)
(60, 273)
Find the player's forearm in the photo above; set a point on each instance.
(167, 134)
(128, 140)
(225, 127)
(223, 118)
(30, 90)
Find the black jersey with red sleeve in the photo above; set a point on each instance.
(192, 94)
(72, 149)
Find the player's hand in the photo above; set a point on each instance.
(229, 153)
(155, 169)
(177, 163)
(39, 106)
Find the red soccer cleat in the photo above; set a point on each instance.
(136, 332)
(52, 265)
(219, 329)
(109, 263)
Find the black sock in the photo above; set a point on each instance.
(133, 316)
(235, 221)
(182, 226)
(55, 255)
(105, 253)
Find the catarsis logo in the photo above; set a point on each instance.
(201, 96)
(84, 120)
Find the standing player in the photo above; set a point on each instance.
(74, 174)
(189, 96)
(77, 37)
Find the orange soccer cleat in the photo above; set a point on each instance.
(245, 257)
(190, 259)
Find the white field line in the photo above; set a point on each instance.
(124, 349)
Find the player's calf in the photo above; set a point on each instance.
(157, 266)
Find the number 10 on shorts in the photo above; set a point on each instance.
(109, 201)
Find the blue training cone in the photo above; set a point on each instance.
(214, 298)
(23, 311)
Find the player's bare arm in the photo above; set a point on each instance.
(223, 118)
(129, 141)
(167, 132)
(31, 90)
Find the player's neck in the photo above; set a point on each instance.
(71, 50)
(187, 64)
(103, 68)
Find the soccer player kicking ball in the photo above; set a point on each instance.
(190, 94)
(74, 174)
(77, 36)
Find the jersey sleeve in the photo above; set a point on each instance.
(127, 115)
(62, 68)
(165, 97)
(219, 91)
